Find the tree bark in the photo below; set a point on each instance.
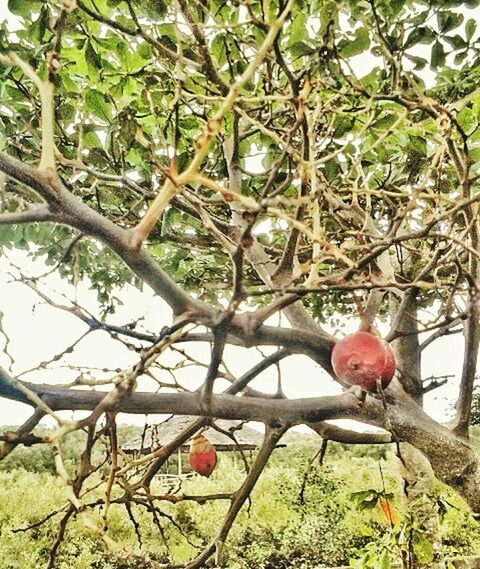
(453, 460)
(420, 483)
(406, 345)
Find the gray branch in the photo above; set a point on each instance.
(35, 213)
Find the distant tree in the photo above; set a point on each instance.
(475, 413)
(242, 159)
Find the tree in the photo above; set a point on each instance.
(128, 130)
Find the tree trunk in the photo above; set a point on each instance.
(453, 460)
(420, 483)
(407, 347)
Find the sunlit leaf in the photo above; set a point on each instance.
(356, 46)
(96, 104)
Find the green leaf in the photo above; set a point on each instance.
(475, 155)
(66, 112)
(456, 41)
(74, 59)
(301, 48)
(419, 62)
(438, 56)
(218, 49)
(94, 63)
(97, 157)
(422, 34)
(372, 80)
(363, 495)
(448, 21)
(90, 138)
(418, 144)
(332, 170)
(96, 104)
(422, 548)
(40, 26)
(22, 8)
(168, 31)
(298, 29)
(467, 119)
(144, 50)
(384, 122)
(155, 8)
(360, 44)
(127, 131)
(476, 105)
(470, 28)
(460, 57)
(385, 561)
(342, 125)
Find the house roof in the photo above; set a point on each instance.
(156, 436)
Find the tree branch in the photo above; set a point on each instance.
(222, 406)
(164, 51)
(208, 65)
(340, 435)
(162, 454)
(35, 213)
(66, 208)
(17, 438)
(465, 397)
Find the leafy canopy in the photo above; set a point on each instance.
(138, 81)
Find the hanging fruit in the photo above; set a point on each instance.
(202, 455)
(362, 358)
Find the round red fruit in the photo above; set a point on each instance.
(362, 358)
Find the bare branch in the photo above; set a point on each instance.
(445, 330)
(66, 208)
(18, 437)
(340, 435)
(36, 213)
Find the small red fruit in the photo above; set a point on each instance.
(202, 456)
(362, 358)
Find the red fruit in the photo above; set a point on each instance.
(362, 358)
(202, 456)
(390, 365)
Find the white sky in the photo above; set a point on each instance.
(37, 332)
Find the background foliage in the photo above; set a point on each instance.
(277, 530)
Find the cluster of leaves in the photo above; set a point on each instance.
(122, 106)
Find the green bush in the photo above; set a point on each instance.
(281, 527)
